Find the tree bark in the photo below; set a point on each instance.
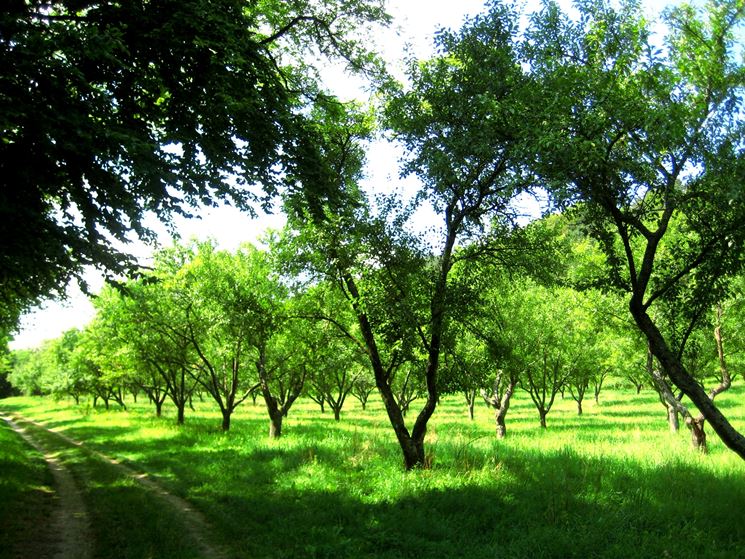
(698, 435)
(501, 426)
(226, 413)
(180, 416)
(275, 425)
(687, 384)
(672, 418)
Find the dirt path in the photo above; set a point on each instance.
(195, 522)
(69, 527)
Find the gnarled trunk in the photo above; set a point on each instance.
(698, 435)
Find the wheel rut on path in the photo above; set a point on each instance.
(69, 526)
(194, 520)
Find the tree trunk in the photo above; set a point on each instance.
(411, 447)
(275, 425)
(180, 416)
(672, 419)
(683, 380)
(158, 407)
(226, 419)
(542, 415)
(698, 435)
(470, 409)
(579, 407)
(501, 426)
(337, 413)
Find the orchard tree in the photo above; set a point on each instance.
(27, 368)
(221, 288)
(646, 144)
(154, 325)
(111, 110)
(362, 387)
(334, 364)
(116, 312)
(281, 369)
(549, 353)
(336, 361)
(466, 366)
(69, 380)
(458, 123)
(104, 376)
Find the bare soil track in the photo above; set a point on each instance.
(71, 525)
(69, 531)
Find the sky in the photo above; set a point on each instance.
(414, 24)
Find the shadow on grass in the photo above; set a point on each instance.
(26, 499)
(303, 497)
(533, 505)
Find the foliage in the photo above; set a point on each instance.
(647, 145)
(113, 111)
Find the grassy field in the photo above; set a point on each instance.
(25, 495)
(612, 483)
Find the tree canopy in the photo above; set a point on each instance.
(110, 111)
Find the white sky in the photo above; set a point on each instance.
(414, 24)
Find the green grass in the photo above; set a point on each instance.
(25, 494)
(612, 483)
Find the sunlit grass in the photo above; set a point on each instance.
(25, 494)
(611, 483)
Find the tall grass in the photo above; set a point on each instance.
(611, 483)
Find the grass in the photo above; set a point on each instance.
(612, 483)
(25, 494)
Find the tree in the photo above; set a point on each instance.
(334, 365)
(220, 288)
(69, 379)
(466, 366)
(362, 387)
(547, 356)
(117, 313)
(281, 369)
(642, 141)
(27, 366)
(457, 124)
(270, 334)
(110, 111)
(153, 323)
